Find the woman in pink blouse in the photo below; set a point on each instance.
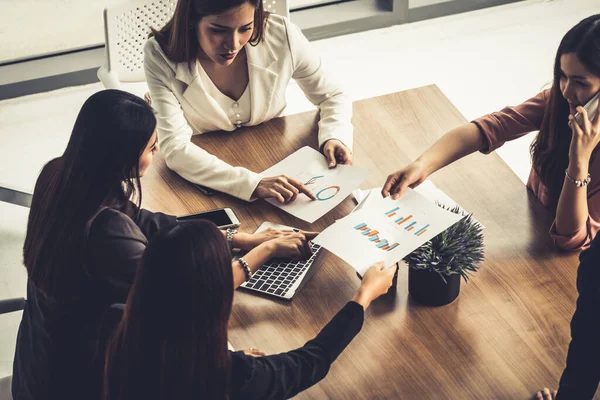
(562, 158)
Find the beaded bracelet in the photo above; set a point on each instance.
(246, 268)
(577, 182)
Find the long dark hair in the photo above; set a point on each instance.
(550, 149)
(172, 340)
(98, 168)
(178, 37)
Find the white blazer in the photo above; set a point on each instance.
(184, 106)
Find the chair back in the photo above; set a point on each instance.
(126, 29)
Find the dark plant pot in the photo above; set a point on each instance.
(428, 288)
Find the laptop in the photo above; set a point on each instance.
(283, 278)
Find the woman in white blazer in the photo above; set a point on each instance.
(224, 64)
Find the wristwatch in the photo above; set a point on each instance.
(229, 236)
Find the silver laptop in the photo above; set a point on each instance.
(283, 278)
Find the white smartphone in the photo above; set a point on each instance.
(591, 107)
(221, 217)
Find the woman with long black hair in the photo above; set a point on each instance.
(171, 340)
(84, 240)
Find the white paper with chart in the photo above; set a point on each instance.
(386, 230)
(330, 186)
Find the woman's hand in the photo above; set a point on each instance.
(248, 241)
(410, 176)
(282, 188)
(545, 394)
(292, 245)
(336, 152)
(586, 137)
(252, 352)
(376, 281)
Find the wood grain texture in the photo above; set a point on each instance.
(505, 337)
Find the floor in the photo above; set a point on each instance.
(481, 60)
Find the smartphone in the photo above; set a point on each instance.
(221, 217)
(591, 107)
(204, 189)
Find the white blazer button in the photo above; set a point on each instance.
(235, 105)
(237, 115)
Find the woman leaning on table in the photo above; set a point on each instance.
(564, 159)
(174, 346)
(224, 64)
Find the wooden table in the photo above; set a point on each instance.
(505, 337)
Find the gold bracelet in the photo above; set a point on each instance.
(577, 182)
(246, 268)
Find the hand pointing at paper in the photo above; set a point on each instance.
(283, 188)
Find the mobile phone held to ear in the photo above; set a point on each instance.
(221, 217)
(591, 107)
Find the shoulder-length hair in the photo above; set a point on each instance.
(99, 168)
(178, 37)
(550, 149)
(172, 340)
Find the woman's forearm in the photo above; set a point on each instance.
(255, 259)
(572, 209)
(454, 145)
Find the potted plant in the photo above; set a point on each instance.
(436, 267)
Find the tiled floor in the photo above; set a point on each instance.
(481, 60)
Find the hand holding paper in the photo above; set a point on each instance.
(329, 186)
(385, 229)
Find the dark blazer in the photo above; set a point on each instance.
(58, 338)
(582, 373)
(284, 375)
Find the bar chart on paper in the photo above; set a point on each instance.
(408, 221)
(373, 236)
(385, 230)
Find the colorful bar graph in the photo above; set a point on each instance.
(404, 220)
(411, 224)
(391, 212)
(383, 244)
(423, 229)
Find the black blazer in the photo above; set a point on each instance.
(582, 373)
(57, 339)
(284, 375)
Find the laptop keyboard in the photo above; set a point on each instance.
(276, 276)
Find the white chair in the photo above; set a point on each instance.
(126, 28)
